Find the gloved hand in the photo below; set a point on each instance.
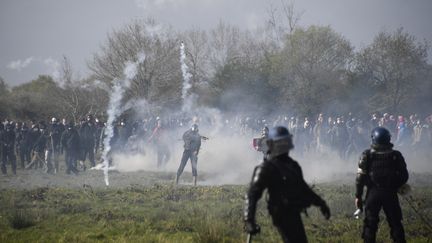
(252, 228)
(325, 210)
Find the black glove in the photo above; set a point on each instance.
(252, 228)
(325, 210)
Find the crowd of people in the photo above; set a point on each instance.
(40, 145)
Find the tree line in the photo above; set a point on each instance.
(300, 70)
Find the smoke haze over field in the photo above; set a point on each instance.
(229, 159)
(241, 79)
(48, 28)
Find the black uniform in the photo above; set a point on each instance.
(33, 135)
(192, 145)
(87, 134)
(56, 131)
(288, 193)
(383, 171)
(7, 139)
(23, 141)
(39, 147)
(70, 144)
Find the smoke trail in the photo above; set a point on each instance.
(186, 96)
(115, 109)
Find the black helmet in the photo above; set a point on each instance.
(278, 133)
(279, 141)
(380, 136)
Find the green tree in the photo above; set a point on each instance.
(394, 67)
(310, 68)
(243, 87)
(36, 99)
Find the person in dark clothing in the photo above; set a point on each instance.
(7, 139)
(70, 144)
(124, 132)
(383, 171)
(192, 145)
(53, 151)
(23, 141)
(33, 135)
(39, 148)
(8, 144)
(36, 145)
(17, 130)
(289, 194)
(87, 134)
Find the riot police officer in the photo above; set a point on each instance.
(383, 171)
(53, 151)
(289, 194)
(8, 147)
(70, 144)
(87, 134)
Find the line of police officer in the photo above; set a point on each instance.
(40, 145)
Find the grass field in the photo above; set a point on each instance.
(160, 212)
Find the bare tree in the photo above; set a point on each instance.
(66, 71)
(224, 44)
(158, 77)
(198, 53)
(282, 21)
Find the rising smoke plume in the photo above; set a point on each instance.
(187, 97)
(115, 109)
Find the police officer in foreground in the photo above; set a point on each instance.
(289, 194)
(383, 171)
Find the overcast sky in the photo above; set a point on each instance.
(35, 34)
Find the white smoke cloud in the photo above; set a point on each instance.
(224, 158)
(188, 98)
(52, 65)
(146, 4)
(20, 64)
(115, 108)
